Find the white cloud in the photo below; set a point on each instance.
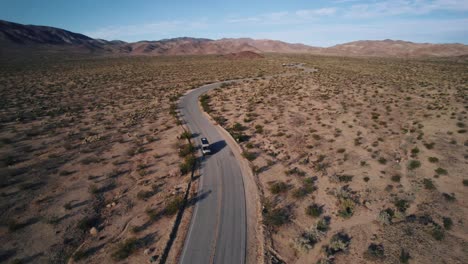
(306, 13)
(433, 30)
(402, 7)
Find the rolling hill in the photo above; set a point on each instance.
(18, 38)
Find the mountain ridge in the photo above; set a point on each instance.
(18, 37)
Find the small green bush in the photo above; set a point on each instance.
(174, 205)
(441, 171)
(276, 217)
(375, 251)
(87, 223)
(125, 249)
(314, 210)
(433, 159)
(259, 129)
(404, 256)
(396, 178)
(186, 135)
(250, 156)
(401, 205)
(448, 223)
(428, 184)
(278, 187)
(345, 178)
(382, 160)
(143, 195)
(414, 164)
(437, 233)
(186, 150)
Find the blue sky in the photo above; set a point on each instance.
(319, 23)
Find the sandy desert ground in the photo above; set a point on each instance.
(92, 157)
(363, 161)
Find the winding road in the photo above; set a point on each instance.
(217, 232)
(218, 228)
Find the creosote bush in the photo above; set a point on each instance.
(278, 187)
(314, 210)
(174, 204)
(125, 249)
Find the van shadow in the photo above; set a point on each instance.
(217, 146)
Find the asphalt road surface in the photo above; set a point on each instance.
(217, 232)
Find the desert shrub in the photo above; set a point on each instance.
(429, 145)
(186, 150)
(14, 225)
(306, 188)
(237, 127)
(465, 182)
(125, 249)
(341, 150)
(433, 159)
(65, 173)
(345, 178)
(205, 103)
(428, 184)
(89, 160)
(79, 255)
(375, 251)
(299, 192)
(239, 136)
(314, 210)
(249, 145)
(220, 120)
(87, 223)
(93, 189)
(276, 217)
(67, 206)
(173, 110)
(143, 195)
(396, 178)
(382, 160)
(174, 204)
(338, 243)
(308, 239)
(250, 156)
(259, 129)
(366, 178)
(296, 171)
(414, 164)
(323, 224)
(441, 171)
(414, 151)
(448, 223)
(401, 205)
(449, 197)
(437, 233)
(385, 216)
(346, 208)
(278, 187)
(187, 165)
(404, 256)
(186, 135)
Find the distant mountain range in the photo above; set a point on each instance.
(16, 38)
